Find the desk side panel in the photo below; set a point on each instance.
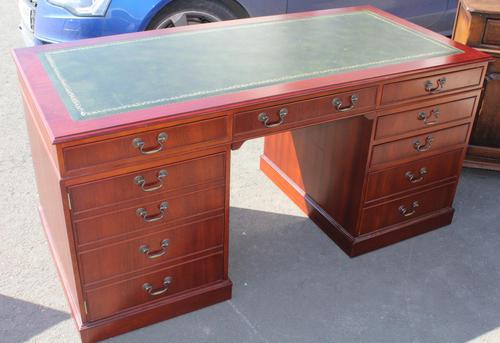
(328, 163)
(52, 211)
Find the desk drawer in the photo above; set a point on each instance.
(147, 182)
(492, 32)
(411, 175)
(403, 122)
(151, 250)
(404, 209)
(135, 218)
(109, 300)
(425, 86)
(147, 145)
(419, 146)
(246, 123)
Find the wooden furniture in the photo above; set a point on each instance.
(478, 25)
(132, 150)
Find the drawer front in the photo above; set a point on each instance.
(109, 300)
(403, 122)
(147, 145)
(255, 121)
(492, 32)
(411, 175)
(419, 146)
(147, 251)
(407, 208)
(149, 216)
(147, 182)
(425, 86)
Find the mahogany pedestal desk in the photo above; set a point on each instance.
(366, 118)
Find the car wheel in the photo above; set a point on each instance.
(180, 13)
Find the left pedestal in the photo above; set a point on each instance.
(142, 236)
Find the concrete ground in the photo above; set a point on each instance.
(291, 283)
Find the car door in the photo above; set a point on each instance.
(427, 13)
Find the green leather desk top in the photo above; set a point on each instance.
(109, 78)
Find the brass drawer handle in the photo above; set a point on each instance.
(141, 212)
(408, 212)
(141, 182)
(157, 253)
(423, 147)
(440, 85)
(338, 103)
(139, 144)
(264, 118)
(413, 178)
(154, 292)
(427, 118)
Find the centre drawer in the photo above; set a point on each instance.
(111, 299)
(147, 251)
(147, 182)
(419, 146)
(153, 215)
(277, 117)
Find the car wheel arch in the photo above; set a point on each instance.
(231, 5)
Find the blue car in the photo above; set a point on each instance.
(53, 21)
